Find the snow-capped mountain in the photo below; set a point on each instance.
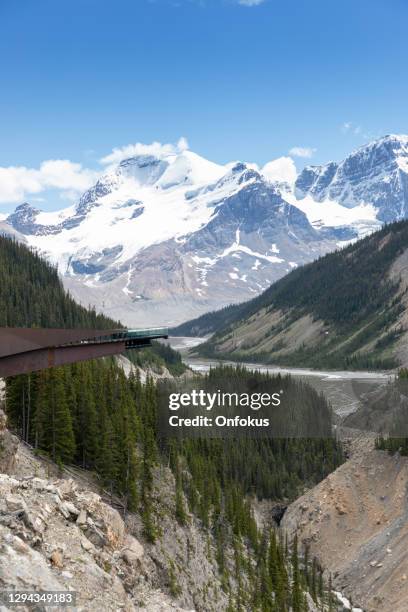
(162, 238)
(375, 175)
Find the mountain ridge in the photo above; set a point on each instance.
(173, 235)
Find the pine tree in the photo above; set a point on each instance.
(85, 417)
(330, 595)
(181, 515)
(296, 590)
(313, 588)
(53, 419)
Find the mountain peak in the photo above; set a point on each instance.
(395, 137)
(376, 174)
(23, 218)
(393, 142)
(26, 207)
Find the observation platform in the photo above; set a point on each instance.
(24, 350)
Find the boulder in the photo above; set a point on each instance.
(15, 503)
(57, 559)
(65, 487)
(95, 536)
(81, 520)
(39, 484)
(21, 567)
(34, 522)
(68, 509)
(111, 523)
(132, 550)
(87, 545)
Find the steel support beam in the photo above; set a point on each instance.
(42, 359)
(24, 350)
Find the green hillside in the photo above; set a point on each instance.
(31, 293)
(344, 310)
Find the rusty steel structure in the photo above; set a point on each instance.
(24, 350)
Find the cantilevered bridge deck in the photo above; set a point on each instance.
(24, 350)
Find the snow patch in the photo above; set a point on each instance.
(345, 602)
(55, 217)
(126, 289)
(238, 247)
(330, 213)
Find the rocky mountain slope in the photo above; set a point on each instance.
(172, 235)
(355, 521)
(58, 533)
(346, 310)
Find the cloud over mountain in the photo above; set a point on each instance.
(18, 182)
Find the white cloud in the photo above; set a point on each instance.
(155, 148)
(350, 127)
(64, 174)
(18, 182)
(302, 152)
(282, 169)
(250, 2)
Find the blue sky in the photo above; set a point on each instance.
(247, 79)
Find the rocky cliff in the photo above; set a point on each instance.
(355, 522)
(57, 533)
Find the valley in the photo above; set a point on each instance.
(354, 520)
(343, 389)
(86, 481)
(341, 504)
(347, 310)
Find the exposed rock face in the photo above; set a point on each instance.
(154, 373)
(8, 446)
(23, 218)
(356, 523)
(59, 534)
(56, 536)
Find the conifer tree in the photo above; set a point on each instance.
(296, 590)
(53, 419)
(180, 509)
